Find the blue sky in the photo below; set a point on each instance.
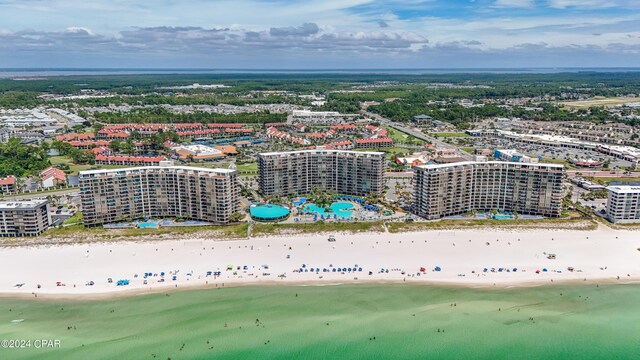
(267, 34)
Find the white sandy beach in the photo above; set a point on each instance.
(600, 255)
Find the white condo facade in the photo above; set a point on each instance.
(623, 205)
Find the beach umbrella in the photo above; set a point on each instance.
(485, 269)
(544, 270)
(423, 269)
(537, 271)
(334, 270)
(515, 269)
(438, 268)
(359, 269)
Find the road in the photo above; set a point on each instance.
(44, 194)
(418, 134)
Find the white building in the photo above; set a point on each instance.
(22, 118)
(513, 155)
(623, 205)
(320, 116)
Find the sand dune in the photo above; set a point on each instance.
(600, 255)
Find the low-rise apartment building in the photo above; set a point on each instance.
(158, 191)
(623, 204)
(300, 172)
(24, 218)
(8, 184)
(459, 188)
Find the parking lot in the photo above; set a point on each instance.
(549, 152)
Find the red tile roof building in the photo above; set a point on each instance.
(8, 184)
(342, 145)
(71, 137)
(344, 127)
(376, 131)
(52, 177)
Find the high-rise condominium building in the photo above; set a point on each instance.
(158, 191)
(623, 205)
(458, 188)
(300, 172)
(24, 217)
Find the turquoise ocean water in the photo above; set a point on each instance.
(336, 322)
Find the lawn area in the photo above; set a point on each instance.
(75, 168)
(468, 150)
(401, 137)
(318, 227)
(74, 219)
(449, 134)
(250, 167)
(57, 160)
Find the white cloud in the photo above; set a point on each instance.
(514, 3)
(593, 4)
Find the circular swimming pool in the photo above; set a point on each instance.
(268, 212)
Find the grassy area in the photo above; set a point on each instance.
(83, 234)
(571, 223)
(250, 167)
(75, 168)
(449, 134)
(402, 137)
(318, 227)
(57, 160)
(607, 180)
(468, 150)
(74, 219)
(599, 101)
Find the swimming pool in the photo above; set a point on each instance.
(339, 209)
(502, 217)
(268, 212)
(146, 225)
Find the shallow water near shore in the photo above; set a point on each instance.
(346, 322)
